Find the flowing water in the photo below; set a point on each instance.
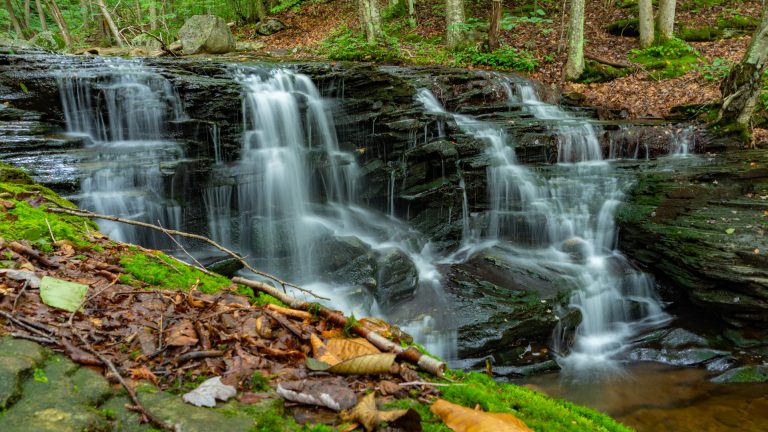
(564, 221)
(122, 108)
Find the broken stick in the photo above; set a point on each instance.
(410, 354)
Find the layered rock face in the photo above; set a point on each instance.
(700, 224)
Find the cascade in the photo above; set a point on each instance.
(562, 219)
(121, 107)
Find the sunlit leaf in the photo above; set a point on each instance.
(462, 419)
(369, 416)
(62, 294)
(364, 365)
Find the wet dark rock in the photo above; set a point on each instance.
(745, 374)
(528, 370)
(397, 278)
(679, 337)
(684, 357)
(347, 260)
(698, 224)
(225, 266)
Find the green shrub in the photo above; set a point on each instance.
(670, 59)
(505, 57)
(717, 70)
(346, 44)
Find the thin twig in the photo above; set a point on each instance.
(41, 340)
(23, 325)
(199, 266)
(197, 355)
(18, 296)
(85, 213)
(50, 230)
(87, 299)
(131, 393)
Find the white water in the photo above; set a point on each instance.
(296, 193)
(564, 222)
(122, 107)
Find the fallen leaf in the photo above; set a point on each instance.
(463, 419)
(208, 392)
(730, 230)
(62, 294)
(321, 352)
(363, 365)
(182, 334)
(25, 275)
(143, 373)
(345, 349)
(333, 394)
(369, 416)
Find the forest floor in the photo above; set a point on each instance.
(541, 31)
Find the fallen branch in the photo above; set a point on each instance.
(411, 354)
(300, 314)
(605, 61)
(285, 322)
(23, 250)
(196, 355)
(27, 327)
(85, 213)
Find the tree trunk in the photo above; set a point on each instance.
(261, 10)
(666, 19)
(139, 12)
(454, 23)
(152, 15)
(575, 64)
(14, 21)
(646, 23)
(110, 23)
(493, 31)
(370, 19)
(41, 14)
(27, 13)
(59, 18)
(85, 14)
(741, 88)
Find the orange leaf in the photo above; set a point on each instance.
(462, 419)
(320, 351)
(345, 349)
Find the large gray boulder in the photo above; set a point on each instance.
(206, 34)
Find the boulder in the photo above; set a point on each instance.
(45, 40)
(206, 34)
(145, 40)
(269, 27)
(397, 278)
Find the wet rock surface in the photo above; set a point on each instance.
(699, 224)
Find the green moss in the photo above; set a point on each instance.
(11, 174)
(670, 59)
(162, 272)
(595, 72)
(25, 222)
(737, 22)
(700, 34)
(624, 27)
(538, 411)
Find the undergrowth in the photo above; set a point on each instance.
(669, 59)
(163, 272)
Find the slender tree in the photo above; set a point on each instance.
(666, 19)
(14, 21)
(574, 66)
(455, 34)
(53, 7)
(370, 19)
(41, 15)
(110, 22)
(494, 29)
(741, 88)
(27, 13)
(646, 23)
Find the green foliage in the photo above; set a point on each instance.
(40, 376)
(509, 22)
(738, 22)
(505, 57)
(697, 5)
(286, 4)
(670, 59)
(396, 10)
(716, 70)
(700, 34)
(595, 72)
(162, 272)
(259, 383)
(346, 44)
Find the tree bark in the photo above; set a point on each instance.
(494, 30)
(41, 14)
(455, 34)
(85, 13)
(574, 67)
(110, 23)
(27, 13)
(152, 15)
(14, 21)
(741, 88)
(666, 19)
(370, 19)
(646, 23)
(59, 18)
(260, 9)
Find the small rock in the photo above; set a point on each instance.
(270, 26)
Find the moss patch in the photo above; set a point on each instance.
(163, 272)
(595, 72)
(670, 59)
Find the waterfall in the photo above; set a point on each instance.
(564, 220)
(122, 106)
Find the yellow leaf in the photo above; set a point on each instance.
(320, 351)
(462, 419)
(369, 416)
(345, 349)
(364, 365)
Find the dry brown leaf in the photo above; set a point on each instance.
(345, 349)
(365, 365)
(182, 334)
(143, 373)
(463, 419)
(389, 388)
(366, 413)
(333, 333)
(321, 352)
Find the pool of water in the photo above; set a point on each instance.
(659, 398)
